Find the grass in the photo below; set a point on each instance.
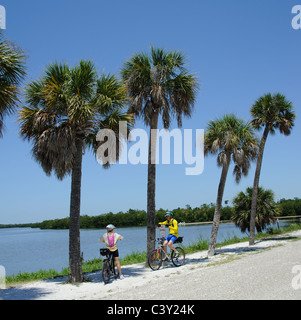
(25, 276)
(88, 266)
(140, 257)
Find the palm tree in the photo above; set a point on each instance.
(158, 84)
(230, 137)
(12, 72)
(65, 110)
(271, 112)
(267, 210)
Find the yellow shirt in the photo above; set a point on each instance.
(173, 227)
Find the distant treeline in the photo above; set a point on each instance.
(132, 218)
(290, 207)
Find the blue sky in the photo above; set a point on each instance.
(239, 50)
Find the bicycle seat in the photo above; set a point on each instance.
(104, 251)
(179, 240)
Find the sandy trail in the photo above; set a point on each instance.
(236, 272)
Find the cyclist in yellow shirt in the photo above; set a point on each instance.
(173, 232)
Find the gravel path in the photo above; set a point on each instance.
(260, 275)
(269, 270)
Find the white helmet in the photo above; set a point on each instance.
(110, 227)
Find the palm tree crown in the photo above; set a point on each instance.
(12, 72)
(230, 136)
(69, 104)
(159, 82)
(267, 210)
(275, 112)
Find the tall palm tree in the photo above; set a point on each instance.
(64, 111)
(230, 137)
(158, 84)
(270, 112)
(267, 210)
(12, 72)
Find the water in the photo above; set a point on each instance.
(31, 250)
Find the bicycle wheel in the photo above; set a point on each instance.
(180, 259)
(105, 272)
(155, 259)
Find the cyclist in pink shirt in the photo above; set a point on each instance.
(110, 238)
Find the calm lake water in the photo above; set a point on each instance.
(31, 250)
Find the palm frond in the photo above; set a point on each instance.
(158, 82)
(267, 210)
(110, 94)
(12, 72)
(274, 111)
(68, 104)
(230, 135)
(110, 135)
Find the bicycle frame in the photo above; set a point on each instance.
(111, 263)
(158, 255)
(161, 248)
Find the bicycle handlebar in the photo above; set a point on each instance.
(161, 240)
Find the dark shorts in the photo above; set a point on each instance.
(114, 254)
(171, 237)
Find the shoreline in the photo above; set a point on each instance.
(133, 257)
(138, 278)
(29, 225)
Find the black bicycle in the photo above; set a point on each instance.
(108, 266)
(158, 255)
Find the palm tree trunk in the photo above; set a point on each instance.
(151, 185)
(75, 263)
(255, 185)
(218, 207)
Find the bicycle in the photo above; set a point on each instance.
(108, 266)
(158, 255)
